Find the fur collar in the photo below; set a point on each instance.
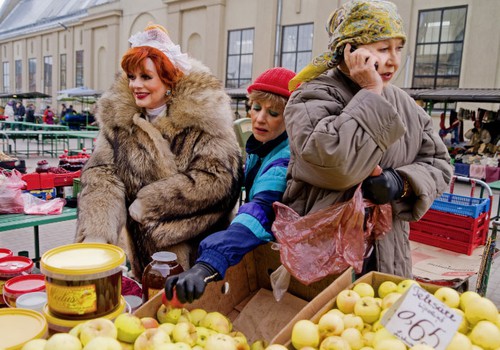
(199, 101)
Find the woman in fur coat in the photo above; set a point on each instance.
(166, 168)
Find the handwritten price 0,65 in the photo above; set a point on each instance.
(419, 329)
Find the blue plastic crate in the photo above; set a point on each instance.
(461, 205)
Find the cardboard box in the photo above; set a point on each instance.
(326, 300)
(250, 303)
(45, 194)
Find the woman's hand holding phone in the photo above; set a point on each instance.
(362, 65)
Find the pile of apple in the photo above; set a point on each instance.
(355, 321)
(174, 328)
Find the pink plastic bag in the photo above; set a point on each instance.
(330, 240)
(11, 201)
(36, 206)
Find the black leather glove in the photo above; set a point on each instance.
(383, 188)
(191, 284)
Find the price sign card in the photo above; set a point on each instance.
(419, 317)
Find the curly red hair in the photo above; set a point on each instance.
(136, 57)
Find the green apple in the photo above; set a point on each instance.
(98, 327)
(481, 309)
(151, 338)
(449, 296)
(390, 344)
(330, 324)
(305, 333)
(367, 308)
(466, 297)
(63, 341)
(387, 287)
(390, 299)
(459, 342)
(216, 321)
(353, 337)
(485, 334)
(220, 341)
(405, 284)
(334, 342)
(364, 289)
(129, 327)
(35, 344)
(346, 300)
(185, 332)
(197, 315)
(103, 343)
(353, 321)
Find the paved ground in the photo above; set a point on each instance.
(53, 235)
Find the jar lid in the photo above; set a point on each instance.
(34, 301)
(60, 322)
(81, 259)
(20, 326)
(25, 284)
(4, 252)
(14, 265)
(164, 256)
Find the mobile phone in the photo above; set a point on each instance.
(353, 48)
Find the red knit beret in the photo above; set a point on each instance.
(274, 80)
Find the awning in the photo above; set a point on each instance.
(25, 95)
(455, 95)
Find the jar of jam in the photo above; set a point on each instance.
(10, 267)
(164, 264)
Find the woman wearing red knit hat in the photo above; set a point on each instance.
(266, 165)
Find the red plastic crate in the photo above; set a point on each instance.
(453, 232)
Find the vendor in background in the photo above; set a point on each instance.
(30, 113)
(348, 124)
(265, 180)
(166, 168)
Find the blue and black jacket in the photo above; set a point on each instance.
(265, 181)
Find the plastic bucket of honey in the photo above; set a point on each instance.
(60, 325)
(18, 326)
(83, 280)
(4, 252)
(19, 285)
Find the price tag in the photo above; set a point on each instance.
(419, 317)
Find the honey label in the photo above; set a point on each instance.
(2, 301)
(72, 300)
(152, 292)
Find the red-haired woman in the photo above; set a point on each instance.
(166, 169)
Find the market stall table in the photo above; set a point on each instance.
(16, 221)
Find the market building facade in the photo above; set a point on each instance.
(53, 45)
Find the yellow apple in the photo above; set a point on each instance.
(353, 337)
(216, 321)
(126, 346)
(346, 300)
(336, 312)
(475, 347)
(178, 346)
(258, 345)
(364, 289)
(98, 327)
(367, 308)
(277, 347)
(405, 284)
(35, 344)
(170, 314)
(63, 341)
(76, 330)
(334, 342)
(220, 341)
(330, 324)
(466, 297)
(481, 309)
(305, 333)
(129, 327)
(390, 299)
(103, 343)
(203, 334)
(464, 325)
(241, 339)
(367, 348)
(353, 321)
(185, 332)
(368, 338)
(149, 322)
(485, 334)
(390, 344)
(421, 347)
(459, 342)
(167, 327)
(387, 287)
(197, 315)
(151, 339)
(449, 296)
(380, 335)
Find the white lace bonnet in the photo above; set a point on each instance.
(157, 38)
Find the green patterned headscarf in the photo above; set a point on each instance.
(357, 22)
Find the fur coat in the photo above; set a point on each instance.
(184, 168)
